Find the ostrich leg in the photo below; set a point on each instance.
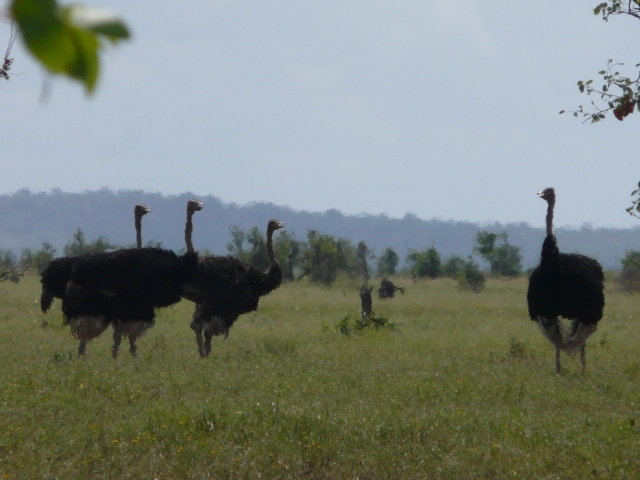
(132, 344)
(208, 335)
(583, 357)
(82, 348)
(197, 328)
(557, 360)
(117, 338)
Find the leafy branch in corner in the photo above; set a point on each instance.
(634, 209)
(621, 93)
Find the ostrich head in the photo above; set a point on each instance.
(140, 210)
(274, 225)
(194, 206)
(548, 194)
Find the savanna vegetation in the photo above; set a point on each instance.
(462, 386)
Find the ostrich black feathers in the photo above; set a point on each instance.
(228, 288)
(566, 285)
(55, 278)
(137, 279)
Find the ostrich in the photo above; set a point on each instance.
(565, 285)
(388, 289)
(225, 288)
(133, 330)
(126, 285)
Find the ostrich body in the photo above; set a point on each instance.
(225, 288)
(127, 285)
(565, 285)
(388, 289)
(132, 329)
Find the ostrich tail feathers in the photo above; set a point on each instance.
(578, 336)
(553, 330)
(45, 300)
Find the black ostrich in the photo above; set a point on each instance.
(125, 285)
(132, 329)
(388, 289)
(225, 288)
(565, 285)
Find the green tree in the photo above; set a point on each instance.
(424, 263)
(78, 245)
(471, 277)
(453, 266)
(39, 259)
(288, 251)
(630, 274)
(388, 262)
(65, 39)
(505, 259)
(322, 258)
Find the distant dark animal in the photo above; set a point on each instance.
(132, 329)
(388, 289)
(565, 285)
(366, 302)
(225, 288)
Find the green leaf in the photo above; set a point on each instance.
(97, 20)
(66, 40)
(581, 87)
(602, 72)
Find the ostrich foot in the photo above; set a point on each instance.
(583, 359)
(82, 348)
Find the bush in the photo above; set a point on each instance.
(425, 263)
(630, 275)
(352, 323)
(505, 259)
(471, 278)
(453, 267)
(388, 263)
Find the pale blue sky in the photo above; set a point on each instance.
(442, 109)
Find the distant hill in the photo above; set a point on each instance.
(28, 219)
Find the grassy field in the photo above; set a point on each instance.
(464, 387)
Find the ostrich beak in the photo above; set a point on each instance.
(280, 224)
(540, 194)
(147, 210)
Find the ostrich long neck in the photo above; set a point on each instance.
(188, 230)
(550, 206)
(138, 231)
(272, 257)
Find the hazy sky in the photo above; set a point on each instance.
(439, 108)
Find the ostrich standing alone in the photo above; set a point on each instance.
(224, 288)
(132, 329)
(565, 285)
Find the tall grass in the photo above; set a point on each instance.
(463, 387)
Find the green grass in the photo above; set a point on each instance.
(464, 387)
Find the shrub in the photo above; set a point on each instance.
(424, 263)
(630, 275)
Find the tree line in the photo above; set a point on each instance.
(320, 257)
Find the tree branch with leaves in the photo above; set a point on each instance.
(65, 39)
(619, 94)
